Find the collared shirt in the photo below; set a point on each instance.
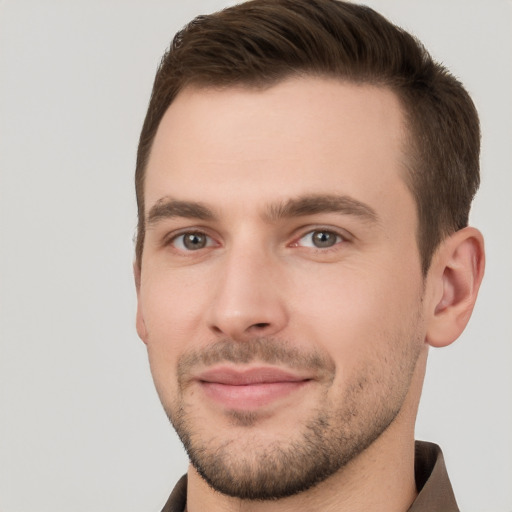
(435, 492)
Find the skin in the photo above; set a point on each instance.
(254, 174)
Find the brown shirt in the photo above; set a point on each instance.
(435, 492)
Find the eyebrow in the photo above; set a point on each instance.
(167, 207)
(321, 203)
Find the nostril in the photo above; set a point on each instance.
(261, 325)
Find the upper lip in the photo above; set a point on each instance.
(247, 376)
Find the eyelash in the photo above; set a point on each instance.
(211, 242)
(339, 238)
(190, 232)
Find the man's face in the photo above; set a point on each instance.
(280, 295)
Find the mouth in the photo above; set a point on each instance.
(249, 389)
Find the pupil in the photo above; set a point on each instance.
(324, 239)
(194, 241)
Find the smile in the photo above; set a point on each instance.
(249, 389)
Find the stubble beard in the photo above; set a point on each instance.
(249, 468)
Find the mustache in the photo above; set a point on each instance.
(268, 350)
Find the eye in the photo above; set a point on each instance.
(192, 241)
(320, 239)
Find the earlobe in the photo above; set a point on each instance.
(456, 274)
(140, 324)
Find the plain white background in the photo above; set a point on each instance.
(81, 428)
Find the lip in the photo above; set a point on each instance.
(251, 388)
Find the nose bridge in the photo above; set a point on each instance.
(248, 300)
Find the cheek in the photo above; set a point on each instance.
(353, 313)
(171, 305)
(171, 312)
(371, 327)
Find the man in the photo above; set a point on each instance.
(304, 178)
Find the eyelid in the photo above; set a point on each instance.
(169, 238)
(298, 234)
(304, 231)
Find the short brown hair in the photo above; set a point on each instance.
(261, 42)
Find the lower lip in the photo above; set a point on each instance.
(250, 396)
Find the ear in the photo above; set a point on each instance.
(455, 276)
(140, 324)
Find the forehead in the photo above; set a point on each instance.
(303, 135)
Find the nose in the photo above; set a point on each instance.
(249, 300)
